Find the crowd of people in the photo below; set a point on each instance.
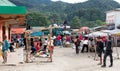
(101, 45)
(42, 47)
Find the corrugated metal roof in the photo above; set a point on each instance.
(117, 9)
(6, 3)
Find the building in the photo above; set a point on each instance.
(113, 17)
(10, 16)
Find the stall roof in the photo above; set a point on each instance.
(7, 7)
(12, 10)
(6, 3)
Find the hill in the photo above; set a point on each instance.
(90, 11)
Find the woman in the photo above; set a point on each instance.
(5, 48)
(50, 47)
(37, 47)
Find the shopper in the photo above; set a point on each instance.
(108, 52)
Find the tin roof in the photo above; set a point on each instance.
(6, 3)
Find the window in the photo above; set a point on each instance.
(111, 26)
(118, 27)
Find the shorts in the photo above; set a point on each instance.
(99, 54)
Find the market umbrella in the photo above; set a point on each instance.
(97, 34)
(84, 28)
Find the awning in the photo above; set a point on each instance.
(36, 34)
(17, 30)
(12, 10)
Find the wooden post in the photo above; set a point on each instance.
(50, 44)
(26, 47)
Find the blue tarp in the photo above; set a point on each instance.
(36, 34)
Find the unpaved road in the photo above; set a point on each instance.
(64, 59)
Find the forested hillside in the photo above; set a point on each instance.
(90, 13)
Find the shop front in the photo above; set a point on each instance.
(10, 16)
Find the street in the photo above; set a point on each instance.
(64, 59)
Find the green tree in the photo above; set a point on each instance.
(37, 19)
(99, 23)
(55, 18)
(75, 23)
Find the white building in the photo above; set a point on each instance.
(113, 17)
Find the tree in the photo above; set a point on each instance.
(55, 18)
(37, 19)
(99, 23)
(75, 22)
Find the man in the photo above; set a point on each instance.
(99, 49)
(85, 45)
(77, 44)
(108, 52)
(5, 48)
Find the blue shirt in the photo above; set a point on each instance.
(6, 45)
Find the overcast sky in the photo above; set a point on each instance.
(76, 1)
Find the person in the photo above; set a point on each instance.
(108, 52)
(41, 43)
(33, 49)
(5, 48)
(77, 44)
(85, 44)
(45, 44)
(67, 38)
(37, 47)
(58, 38)
(99, 49)
(11, 47)
(50, 46)
(24, 41)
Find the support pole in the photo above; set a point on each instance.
(26, 48)
(50, 44)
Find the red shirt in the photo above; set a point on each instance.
(104, 39)
(58, 37)
(67, 38)
(80, 38)
(37, 47)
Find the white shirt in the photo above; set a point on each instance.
(45, 42)
(85, 42)
(51, 43)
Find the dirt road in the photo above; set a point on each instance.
(64, 59)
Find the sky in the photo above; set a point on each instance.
(76, 1)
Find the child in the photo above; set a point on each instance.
(11, 47)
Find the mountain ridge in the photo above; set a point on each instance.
(91, 11)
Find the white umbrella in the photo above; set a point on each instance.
(97, 34)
